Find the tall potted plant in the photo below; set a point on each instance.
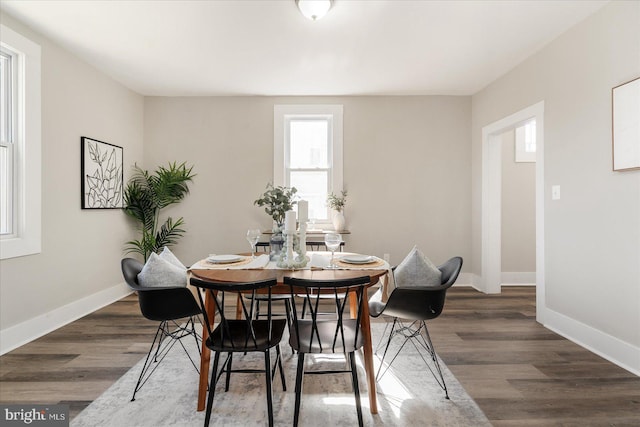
(146, 195)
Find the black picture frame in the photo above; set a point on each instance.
(101, 174)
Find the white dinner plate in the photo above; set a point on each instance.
(224, 259)
(357, 259)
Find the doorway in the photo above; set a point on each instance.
(491, 250)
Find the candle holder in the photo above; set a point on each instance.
(289, 258)
(303, 239)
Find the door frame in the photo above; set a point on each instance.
(491, 251)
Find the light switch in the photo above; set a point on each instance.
(555, 192)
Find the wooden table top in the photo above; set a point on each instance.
(239, 275)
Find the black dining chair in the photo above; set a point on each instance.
(258, 298)
(417, 304)
(318, 245)
(166, 305)
(240, 335)
(316, 335)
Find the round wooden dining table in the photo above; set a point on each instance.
(251, 275)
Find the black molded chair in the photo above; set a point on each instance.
(314, 335)
(166, 305)
(241, 335)
(416, 304)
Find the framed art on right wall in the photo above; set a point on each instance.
(625, 126)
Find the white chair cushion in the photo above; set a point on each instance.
(417, 270)
(160, 273)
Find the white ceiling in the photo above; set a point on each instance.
(266, 47)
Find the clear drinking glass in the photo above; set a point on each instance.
(253, 235)
(332, 242)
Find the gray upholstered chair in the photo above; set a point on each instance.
(416, 304)
(166, 305)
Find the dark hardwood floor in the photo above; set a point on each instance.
(518, 372)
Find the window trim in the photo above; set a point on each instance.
(27, 235)
(520, 141)
(281, 114)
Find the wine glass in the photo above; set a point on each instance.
(332, 242)
(253, 235)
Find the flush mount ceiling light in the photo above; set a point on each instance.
(314, 9)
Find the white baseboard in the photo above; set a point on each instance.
(27, 331)
(611, 348)
(464, 279)
(518, 278)
(468, 279)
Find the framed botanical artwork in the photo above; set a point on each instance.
(102, 175)
(625, 126)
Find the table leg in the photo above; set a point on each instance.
(239, 306)
(205, 357)
(367, 349)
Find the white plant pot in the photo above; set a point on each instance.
(338, 221)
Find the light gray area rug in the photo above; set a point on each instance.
(408, 395)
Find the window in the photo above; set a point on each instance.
(526, 142)
(6, 144)
(20, 202)
(308, 153)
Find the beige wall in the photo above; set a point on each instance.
(412, 175)
(406, 168)
(518, 210)
(81, 250)
(592, 235)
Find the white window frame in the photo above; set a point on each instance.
(282, 114)
(8, 83)
(522, 136)
(27, 216)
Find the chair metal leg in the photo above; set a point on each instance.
(212, 389)
(162, 348)
(434, 357)
(356, 387)
(299, 375)
(180, 333)
(165, 331)
(384, 334)
(146, 365)
(196, 337)
(413, 334)
(386, 348)
(407, 338)
(267, 371)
